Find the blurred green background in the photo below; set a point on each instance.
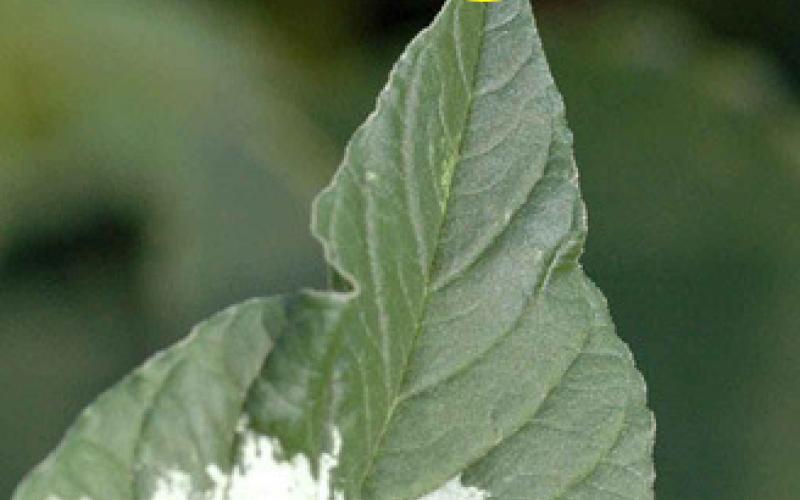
(158, 158)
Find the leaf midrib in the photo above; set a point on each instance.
(396, 399)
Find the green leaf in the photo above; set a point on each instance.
(171, 414)
(474, 345)
(469, 357)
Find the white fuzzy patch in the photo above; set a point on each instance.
(176, 485)
(454, 490)
(262, 473)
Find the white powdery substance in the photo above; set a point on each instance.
(454, 490)
(262, 473)
(176, 485)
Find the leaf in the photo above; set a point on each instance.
(468, 357)
(166, 414)
(474, 344)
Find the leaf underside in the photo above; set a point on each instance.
(470, 344)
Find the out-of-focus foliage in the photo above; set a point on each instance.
(772, 24)
(148, 175)
(689, 154)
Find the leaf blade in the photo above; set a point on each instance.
(431, 286)
(107, 453)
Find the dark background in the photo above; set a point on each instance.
(157, 161)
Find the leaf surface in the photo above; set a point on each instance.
(474, 345)
(177, 412)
